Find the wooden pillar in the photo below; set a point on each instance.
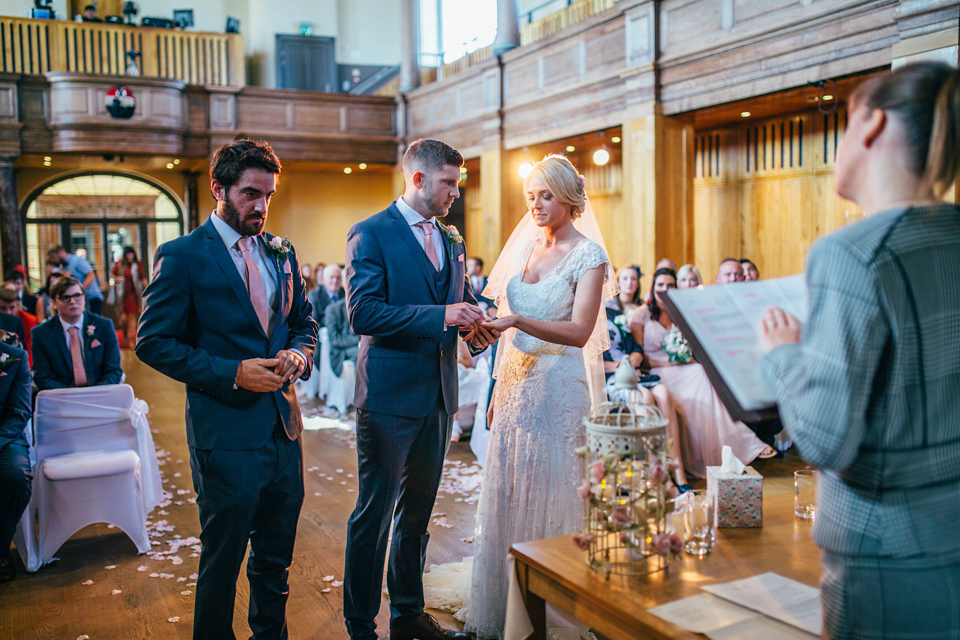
(486, 232)
(11, 228)
(658, 189)
(409, 45)
(192, 199)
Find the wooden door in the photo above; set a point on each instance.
(306, 62)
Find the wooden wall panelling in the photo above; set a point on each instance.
(717, 224)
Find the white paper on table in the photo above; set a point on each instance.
(759, 628)
(776, 597)
(703, 613)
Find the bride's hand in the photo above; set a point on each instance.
(501, 324)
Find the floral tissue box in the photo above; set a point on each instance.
(738, 498)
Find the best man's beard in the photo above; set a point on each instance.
(232, 217)
(436, 207)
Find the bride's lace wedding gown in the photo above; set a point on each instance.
(531, 473)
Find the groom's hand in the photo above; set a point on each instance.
(463, 314)
(256, 374)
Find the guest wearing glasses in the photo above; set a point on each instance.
(75, 348)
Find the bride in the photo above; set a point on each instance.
(549, 281)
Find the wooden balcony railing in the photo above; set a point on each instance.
(562, 19)
(38, 46)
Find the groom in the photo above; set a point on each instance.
(407, 294)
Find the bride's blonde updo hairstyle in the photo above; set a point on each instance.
(563, 180)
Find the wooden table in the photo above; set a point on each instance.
(554, 571)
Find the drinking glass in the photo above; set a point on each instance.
(805, 493)
(698, 523)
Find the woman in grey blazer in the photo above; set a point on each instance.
(871, 390)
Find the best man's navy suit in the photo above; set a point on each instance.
(15, 411)
(406, 395)
(198, 323)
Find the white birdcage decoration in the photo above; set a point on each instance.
(626, 485)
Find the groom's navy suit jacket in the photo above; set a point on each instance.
(396, 304)
(198, 324)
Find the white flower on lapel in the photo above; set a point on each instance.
(453, 236)
(280, 247)
(91, 329)
(6, 361)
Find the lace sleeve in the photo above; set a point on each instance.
(589, 255)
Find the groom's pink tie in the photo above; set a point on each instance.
(427, 227)
(258, 293)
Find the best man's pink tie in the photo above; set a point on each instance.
(427, 227)
(258, 293)
(76, 356)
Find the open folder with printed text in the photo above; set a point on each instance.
(721, 324)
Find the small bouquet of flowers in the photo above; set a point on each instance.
(675, 346)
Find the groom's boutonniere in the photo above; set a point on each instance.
(453, 236)
(280, 247)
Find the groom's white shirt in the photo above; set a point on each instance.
(413, 218)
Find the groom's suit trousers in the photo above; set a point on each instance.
(400, 463)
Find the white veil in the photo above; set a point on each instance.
(513, 259)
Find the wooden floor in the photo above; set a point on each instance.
(101, 590)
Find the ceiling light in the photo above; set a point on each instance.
(601, 157)
(47, 163)
(362, 165)
(571, 148)
(744, 114)
(827, 98)
(176, 161)
(47, 158)
(347, 170)
(615, 139)
(169, 165)
(525, 169)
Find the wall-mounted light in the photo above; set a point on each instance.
(347, 170)
(571, 148)
(524, 170)
(827, 98)
(744, 114)
(615, 139)
(601, 157)
(362, 165)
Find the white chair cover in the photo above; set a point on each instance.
(24, 537)
(339, 392)
(95, 463)
(481, 435)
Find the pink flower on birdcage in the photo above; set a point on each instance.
(620, 515)
(598, 470)
(676, 544)
(584, 490)
(660, 543)
(583, 541)
(658, 473)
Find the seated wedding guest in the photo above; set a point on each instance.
(329, 290)
(665, 263)
(10, 305)
(708, 423)
(730, 270)
(75, 348)
(77, 265)
(750, 271)
(868, 385)
(344, 343)
(623, 345)
(689, 277)
(18, 279)
(307, 272)
(44, 308)
(317, 278)
(15, 476)
(478, 281)
(12, 325)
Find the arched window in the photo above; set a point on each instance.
(99, 214)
